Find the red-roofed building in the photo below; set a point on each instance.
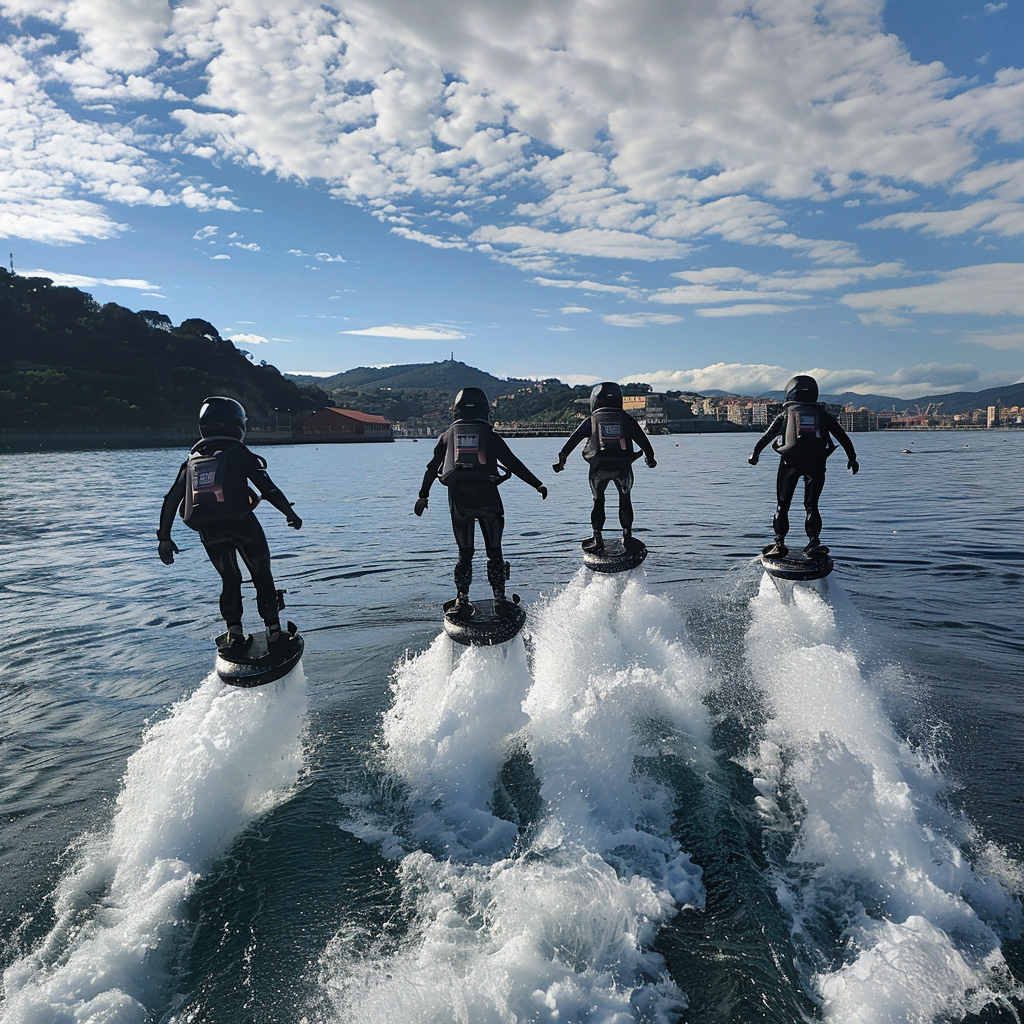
(333, 424)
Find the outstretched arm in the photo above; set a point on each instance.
(167, 549)
(763, 441)
(843, 438)
(636, 433)
(171, 502)
(511, 462)
(272, 493)
(581, 432)
(430, 475)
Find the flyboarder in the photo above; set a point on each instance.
(213, 495)
(803, 436)
(610, 434)
(471, 460)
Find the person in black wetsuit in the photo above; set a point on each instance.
(471, 460)
(803, 436)
(213, 494)
(610, 434)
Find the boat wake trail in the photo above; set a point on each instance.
(891, 921)
(220, 758)
(535, 847)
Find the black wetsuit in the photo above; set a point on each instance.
(468, 458)
(804, 434)
(232, 527)
(610, 435)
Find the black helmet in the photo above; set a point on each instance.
(471, 404)
(222, 417)
(607, 395)
(802, 389)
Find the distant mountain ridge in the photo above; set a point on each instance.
(451, 375)
(952, 403)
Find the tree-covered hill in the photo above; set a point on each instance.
(67, 362)
(449, 375)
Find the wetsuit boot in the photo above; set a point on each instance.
(498, 571)
(233, 639)
(778, 549)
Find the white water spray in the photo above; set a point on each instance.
(221, 757)
(561, 930)
(895, 925)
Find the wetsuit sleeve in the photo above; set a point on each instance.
(504, 455)
(433, 466)
(833, 427)
(172, 500)
(582, 431)
(257, 473)
(773, 431)
(637, 435)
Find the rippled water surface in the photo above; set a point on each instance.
(683, 795)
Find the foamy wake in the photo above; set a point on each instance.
(557, 926)
(222, 757)
(892, 921)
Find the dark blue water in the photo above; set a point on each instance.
(682, 796)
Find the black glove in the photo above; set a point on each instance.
(558, 466)
(753, 460)
(853, 466)
(543, 492)
(421, 504)
(294, 522)
(168, 549)
(651, 463)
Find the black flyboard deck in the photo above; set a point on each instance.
(813, 565)
(257, 663)
(491, 622)
(614, 556)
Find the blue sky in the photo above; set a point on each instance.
(701, 195)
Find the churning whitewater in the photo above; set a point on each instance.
(543, 912)
(528, 800)
(890, 920)
(222, 757)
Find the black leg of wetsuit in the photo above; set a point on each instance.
(252, 546)
(598, 485)
(814, 484)
(221, 551)
(246, 537)
(492, 526)
(464, 529)
(785, 487)
(624, 484)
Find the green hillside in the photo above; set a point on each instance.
(67, 362)
(449, 375)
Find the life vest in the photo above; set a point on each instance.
(466, 452)
(803, 434)
(216, 486)
(609, 442)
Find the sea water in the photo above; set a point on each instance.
(683, 793)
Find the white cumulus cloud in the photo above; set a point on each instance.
(410, 333)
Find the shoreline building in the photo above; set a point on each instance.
(335, 425)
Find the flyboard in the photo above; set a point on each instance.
(815, 564)
(613, 555)
(484, 623)
(256, 662)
